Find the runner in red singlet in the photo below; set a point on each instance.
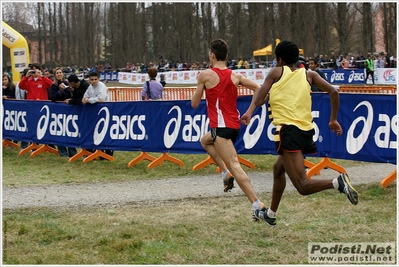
(220, 86)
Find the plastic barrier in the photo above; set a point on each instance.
(9, 143)
(121, 94)
(368, 89)
(185, 93)
(389, 179)
(381, 147)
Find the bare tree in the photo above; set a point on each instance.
(389, 25)
(89, 33)
(367, 23)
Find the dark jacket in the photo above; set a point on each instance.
(77, 94)
(314, 87)
(9, 92)
(57, 94)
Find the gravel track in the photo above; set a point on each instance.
(171, 189)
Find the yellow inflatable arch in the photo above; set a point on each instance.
(19, 50)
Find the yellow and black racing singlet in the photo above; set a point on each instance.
(290, 102)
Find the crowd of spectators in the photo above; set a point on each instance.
(349, 60)
(342, 61)
(346, 61)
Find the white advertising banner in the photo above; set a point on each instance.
(186, 77)
(382, 76)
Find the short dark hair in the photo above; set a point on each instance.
(314, 60)
(94, 73)
(36, 65)
(152, 72)
(25, 71)
(219, 48)
(73, 78)
(287, 51)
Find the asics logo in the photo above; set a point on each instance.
(382, 136)
(57, 124)
(193, 129)
(122, 127)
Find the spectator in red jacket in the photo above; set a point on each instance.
(36, 85)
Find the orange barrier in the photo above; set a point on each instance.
(366, 89)
(9, 143)
(31, 147)
(44, 148)
(141, 157)
(121, 94)
(209, 161)
(324, 163)
(154, 161)
(97, 154)
(389, 179)
(165, 157)
(82, 153)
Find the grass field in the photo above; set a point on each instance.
(191, 231)
(206, 231)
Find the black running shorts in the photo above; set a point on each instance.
(226, 133)
(292, 139)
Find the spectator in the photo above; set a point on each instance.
(369, 68)
(392, 61)
(179, 66)
(333, 60)
(338, 61)
(21, 94)
(8, 87)
(152, 89)
(49, 74)
(386, 60)
(245, 64)
(381, 60)
(360, 59)
(326, 63)
(274, 63)
(60, 91)
(36, 85)
(78, 89)
(346, 62)
(313, 67)
(321, 61)
(239, 64)
(301, 63)
(96, 92)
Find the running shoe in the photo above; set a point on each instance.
(228, 182)
(262, 215)
(344, 186)
(254, 218)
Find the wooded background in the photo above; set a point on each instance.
(85, 34)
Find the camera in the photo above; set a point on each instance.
(32, 71)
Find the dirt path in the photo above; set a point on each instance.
(141, 192)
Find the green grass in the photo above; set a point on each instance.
(202, 231)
